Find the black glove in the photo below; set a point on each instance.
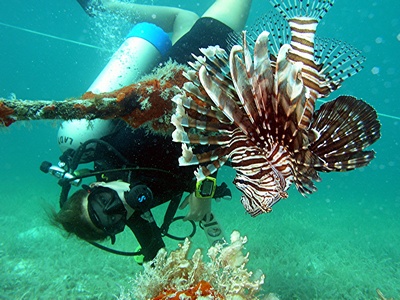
(222, 191)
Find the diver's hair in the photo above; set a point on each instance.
(71, 217)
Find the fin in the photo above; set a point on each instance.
(198, 120)
(303, 18)
(315, 9)
(272, 22)
(258, 111)
(338, 61)
(343, 128)
(279, 30)
(305, 173)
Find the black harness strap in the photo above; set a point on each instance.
(170, 213)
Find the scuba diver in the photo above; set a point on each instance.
(136, 169)
(125, 189)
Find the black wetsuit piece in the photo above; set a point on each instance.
(205, 32)
(144, 149)
(156, 156)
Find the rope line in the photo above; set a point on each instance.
(103, 49)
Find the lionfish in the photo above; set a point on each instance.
(258, 111)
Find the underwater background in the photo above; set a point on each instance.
(342, 242)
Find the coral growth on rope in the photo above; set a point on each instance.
(146, 103)
(5, 113)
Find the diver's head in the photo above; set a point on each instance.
(110, 204)
(73, 218)
(74, 133)
(101, 210)
(92, 214)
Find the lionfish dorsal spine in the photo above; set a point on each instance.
(292, 107)
(242, 71)
(262, 80)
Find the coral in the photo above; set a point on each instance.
(201, 289)
(176, 276)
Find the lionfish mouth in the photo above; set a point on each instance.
(258, 111)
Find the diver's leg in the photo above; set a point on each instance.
(232, 13)
(170, 19)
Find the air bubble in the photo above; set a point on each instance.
(375, 70)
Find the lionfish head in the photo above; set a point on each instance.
(256, 198)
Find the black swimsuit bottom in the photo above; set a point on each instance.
(205, 32)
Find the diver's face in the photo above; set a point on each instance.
(106, 210)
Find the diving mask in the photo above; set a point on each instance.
(111, 204)
(106, 210)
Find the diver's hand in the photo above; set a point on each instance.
(198, 207)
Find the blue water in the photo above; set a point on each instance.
(342, 242)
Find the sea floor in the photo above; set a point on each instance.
(343, 242)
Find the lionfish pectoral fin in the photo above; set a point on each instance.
(315, 9)
(280, 76)
(262, 80)
(336, 61)
(241, 73)
(248, 61)
(291, 104)
(345, 127)
(224, 102)
(211, 168)
(187, 158)
(304, 180)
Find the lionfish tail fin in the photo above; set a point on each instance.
(340, 132)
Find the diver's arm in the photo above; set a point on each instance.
(198, 207)
(147, 233)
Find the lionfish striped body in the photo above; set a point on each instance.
(258, 112)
